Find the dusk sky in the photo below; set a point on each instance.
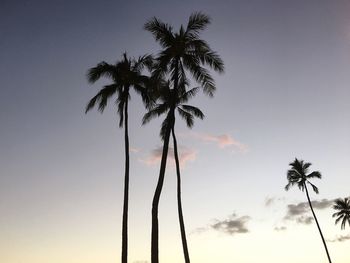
(285, 93)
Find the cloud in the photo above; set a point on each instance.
(222, 141)
(340, 238)
(300, 213)
(134, 150)
(185, 155)
(232, 225)
(269, 201)
(280, 228)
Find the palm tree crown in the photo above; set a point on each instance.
(184, 50)
(124, 74)
(169, 100)
(297, 175)
(343, 214)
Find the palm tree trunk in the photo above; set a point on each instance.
(156, 197)
(179, 205)
(318, 226)
(126, 189)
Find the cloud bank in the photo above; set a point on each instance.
(300, 213)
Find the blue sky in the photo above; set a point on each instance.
(285, 94)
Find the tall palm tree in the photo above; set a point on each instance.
(182, 51)
(170, 101)
(343, 214)
(298, 175)
(124, 74)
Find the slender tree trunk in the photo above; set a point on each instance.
(318, 226)
(126, 189)
(156, 197)
(179, 205)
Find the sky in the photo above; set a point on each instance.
(284, 94)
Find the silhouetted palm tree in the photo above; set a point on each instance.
(182, 51)
(343, 214)
(170, 101)
(124, 74)
(298, 175)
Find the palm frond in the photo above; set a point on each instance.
(200, 74)
(193, 110)
(197, 22)
(102, 69)
(162, 32)
(153, 113)
(212, 59)
(102, 97)
(314, 187)
(188, 117)
(315, 174)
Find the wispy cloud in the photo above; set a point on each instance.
(280, 228)
(300, 212)
(134, 150)
(340, 238)
(222, 141)
(185, 155)
(269, 201)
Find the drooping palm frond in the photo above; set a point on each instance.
(200, 74)
(101, 98)
(193, 110)
(154, 112)
(188, 117)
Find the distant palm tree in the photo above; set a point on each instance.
(182, 51)
(297, 175)
(124, 74)
(171, 100)
(343, 214)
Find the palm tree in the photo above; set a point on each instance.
(182, 51)
(124, 74)
(298, 175)
(171, 100)
(343, 214)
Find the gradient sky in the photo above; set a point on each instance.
(285, 94)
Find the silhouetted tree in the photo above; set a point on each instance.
(343, 214)
(182, 51)
(124, 74)
(298, 175)
(171, 100)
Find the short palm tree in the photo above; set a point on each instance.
(182, 51)
(170, 101)
(298, 175)
(124, 74)
(343, 214)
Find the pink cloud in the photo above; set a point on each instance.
(134, 150)
(185, 155)
(222, 141)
